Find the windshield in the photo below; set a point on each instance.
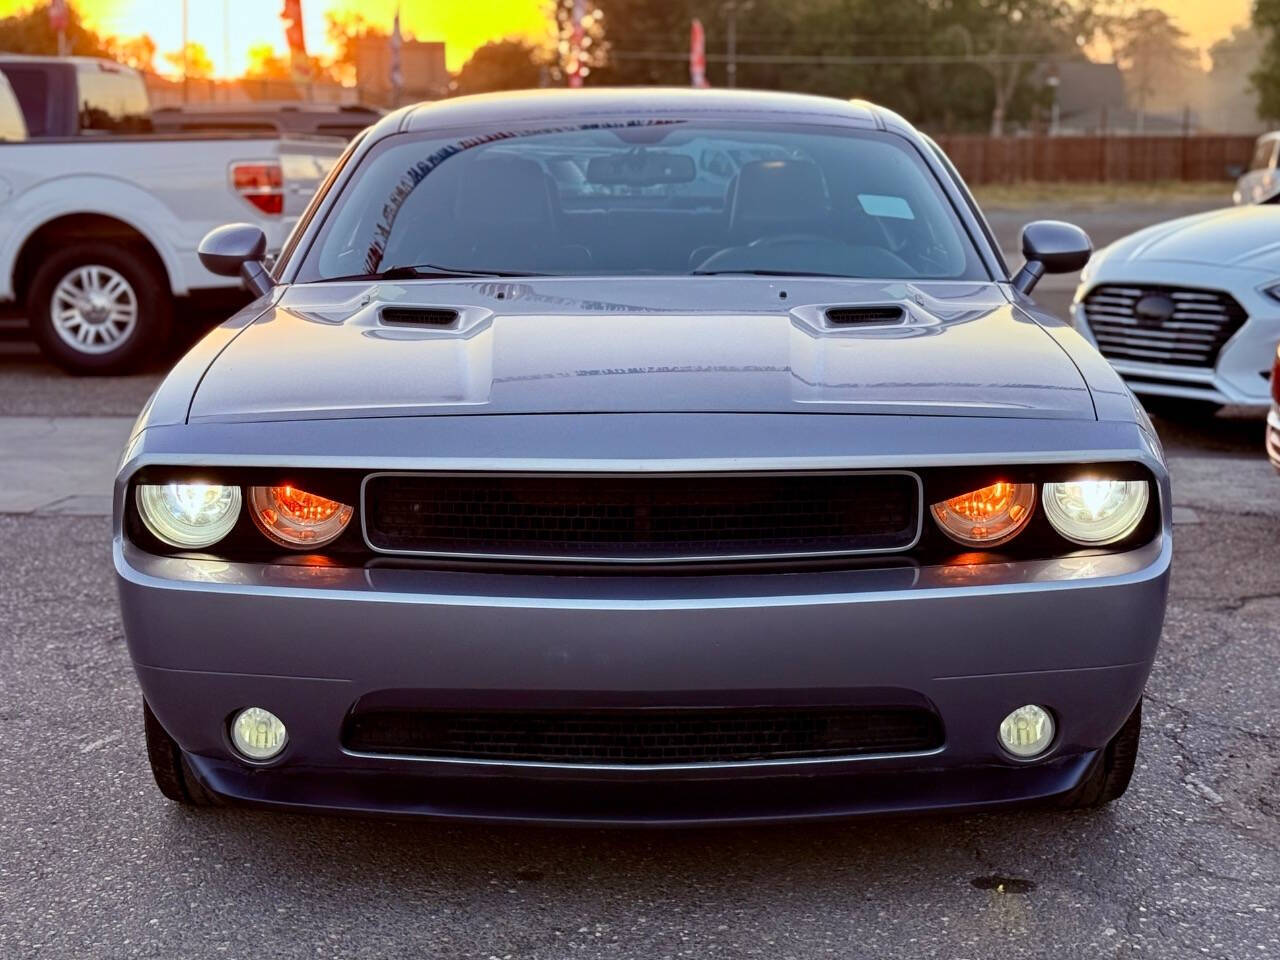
(644, 198)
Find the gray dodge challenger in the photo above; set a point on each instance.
(644, 457)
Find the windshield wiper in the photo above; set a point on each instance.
(430, 271)
(770, 273)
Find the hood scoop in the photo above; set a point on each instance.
(869, 316)
(417, 317)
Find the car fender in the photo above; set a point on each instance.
(89, 194)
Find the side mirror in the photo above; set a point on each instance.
(1051, 246)
(237, 250)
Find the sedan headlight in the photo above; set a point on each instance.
(189, 515)
(297, 519)
(1095, 512)
(988, 517)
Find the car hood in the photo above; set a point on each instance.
(1246, 237)
(640, 346)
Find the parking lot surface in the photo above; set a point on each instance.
(95, 863)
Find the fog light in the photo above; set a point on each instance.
(1027, 732)
(258, 733)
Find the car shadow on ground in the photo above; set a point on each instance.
(1234, 430)
(345, 856)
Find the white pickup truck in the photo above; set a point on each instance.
(99, 219)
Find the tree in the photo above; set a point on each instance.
(195, 64)
(1153, 52)
(1230, 98)
(344, 29)
(138, 52)
(30, 32)
(970, 64)
(1266, 79)
(580, 46)
(266, 64)
(501, 65)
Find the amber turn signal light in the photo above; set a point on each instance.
(989, 516)
(297, 519)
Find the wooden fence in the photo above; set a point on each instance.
(1098, 158)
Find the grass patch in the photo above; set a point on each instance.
(1157, 192)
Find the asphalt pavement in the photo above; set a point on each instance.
(94, 863)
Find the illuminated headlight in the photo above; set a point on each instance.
(1093, 512)
(189, 515)
(258, 734)
(1027, 732)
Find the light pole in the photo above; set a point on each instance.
(226, 36)
(731, 9)
(185, 90)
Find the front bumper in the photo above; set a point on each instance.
(1077, 636)
(970, 642)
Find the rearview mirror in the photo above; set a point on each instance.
(1051, 246)
(237, 250)
(644, 168)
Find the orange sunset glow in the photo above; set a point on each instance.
(463, 26)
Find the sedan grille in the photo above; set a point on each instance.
(648, 737)
(1153, 324)
(628, 518)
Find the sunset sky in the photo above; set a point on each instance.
(462, 25)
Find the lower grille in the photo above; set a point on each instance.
(651, 737)
(641, 518)
(1155, 324)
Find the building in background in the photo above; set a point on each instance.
(422, 68)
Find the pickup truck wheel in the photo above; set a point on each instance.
(173, 776)
(98, 309)
(1110, 775)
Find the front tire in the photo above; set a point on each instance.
(95, 308)
(1109, 777)
(172, 775)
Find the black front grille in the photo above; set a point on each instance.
(643, 737)
(641, 518)
(1155, 324)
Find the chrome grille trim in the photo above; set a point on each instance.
(1193, 335)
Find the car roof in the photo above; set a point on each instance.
(637, 102)
(256, 107)
(71, 61)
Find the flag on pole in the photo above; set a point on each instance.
(697, 55)
(397, 74)
(292, 17)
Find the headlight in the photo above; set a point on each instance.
(1096, 512)
(987, 517)
(189, 514)
(297, 519)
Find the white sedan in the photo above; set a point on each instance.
(1188, 312)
